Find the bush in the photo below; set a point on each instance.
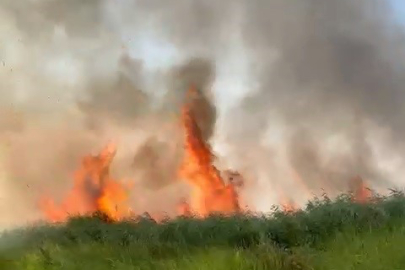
(321, 219)
(245, 241)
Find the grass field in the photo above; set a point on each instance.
(328, 234)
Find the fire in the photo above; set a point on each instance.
(94, 190)
(183, 208)
(289, 206)
(361, 192)
(210, 193)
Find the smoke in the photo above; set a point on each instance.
(199, 74)
(163, 165)
(325, 76)
(327, 69)
(323, 98)
(69, 84)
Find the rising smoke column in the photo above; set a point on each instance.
(323, 73)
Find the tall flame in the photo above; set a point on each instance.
(210, 193)
(94, 190)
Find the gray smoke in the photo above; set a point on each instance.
(324, 69)
(320, 71)
(199, 74)
(162, 166)
(327, 68)
(69, 86)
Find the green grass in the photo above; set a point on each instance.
(104, 257)
(326, 235)
(372, 250)
(376, 250)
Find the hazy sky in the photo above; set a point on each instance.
(399, 6)
(52, 70)
(232, 69)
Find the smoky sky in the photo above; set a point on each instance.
(337, 65)
(323, 67)
(320, 67)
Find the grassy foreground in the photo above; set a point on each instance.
(328, 234)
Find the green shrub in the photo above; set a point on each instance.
(271, 241)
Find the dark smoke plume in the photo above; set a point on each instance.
(161, 167)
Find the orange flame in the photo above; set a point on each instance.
(93, 191)
(210, 193)
(362, 193)
(288, 206)
(183, 209)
